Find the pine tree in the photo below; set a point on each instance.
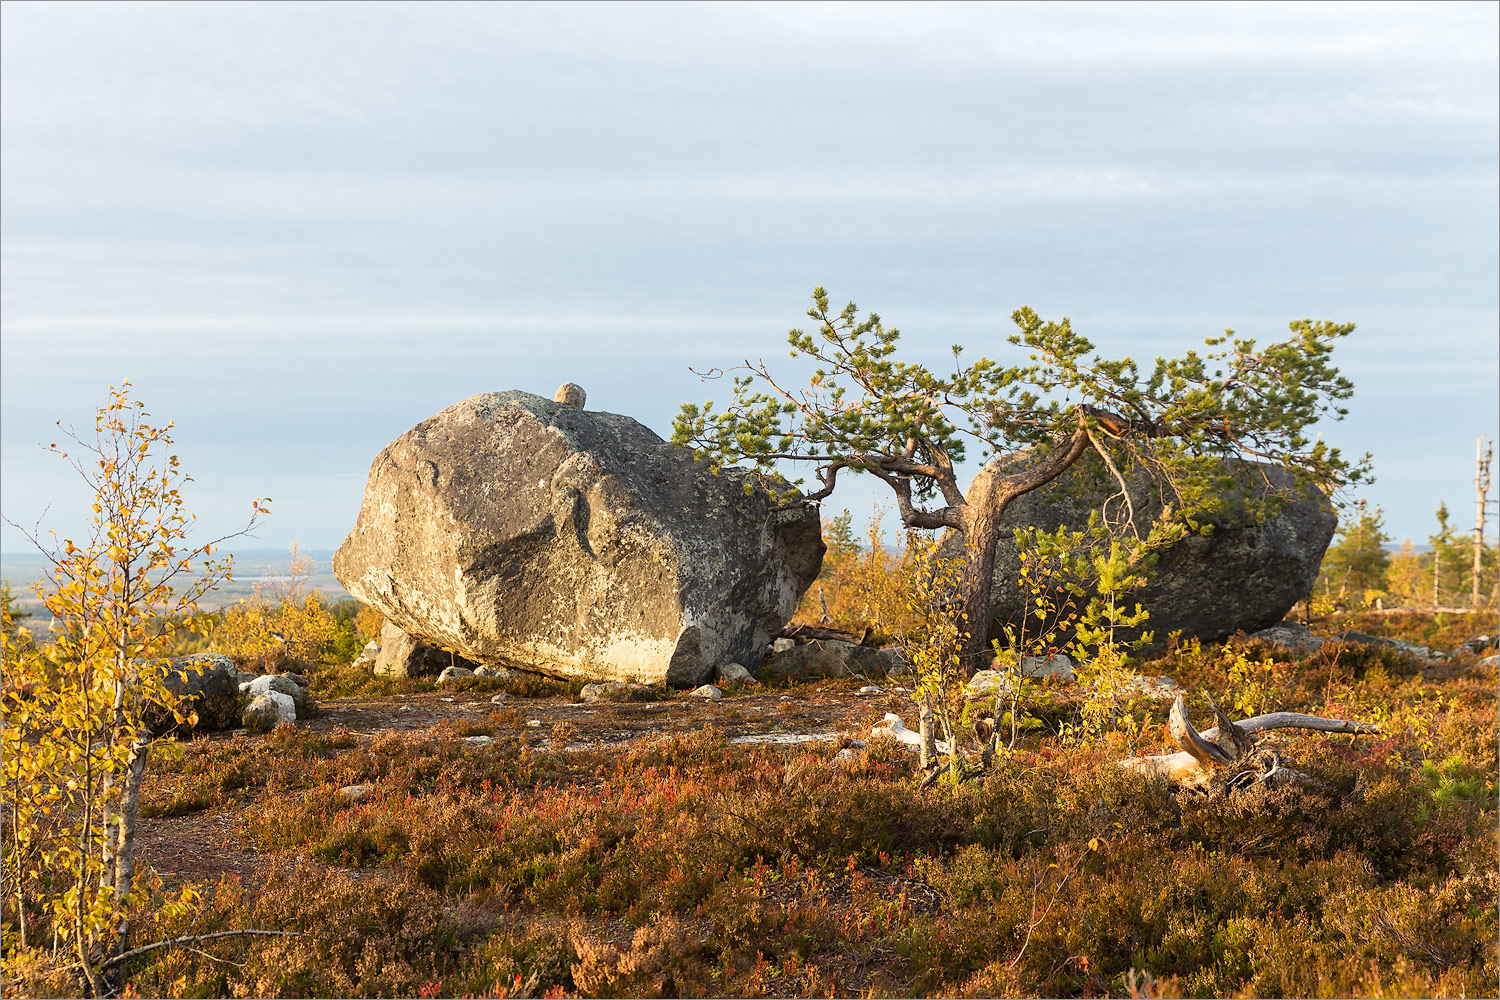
(1354, 568)
(865, 411)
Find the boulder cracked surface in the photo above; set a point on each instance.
(517, 531)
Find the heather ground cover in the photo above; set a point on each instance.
(668, 847)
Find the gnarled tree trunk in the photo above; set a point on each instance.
(991, 492)
(981, 533)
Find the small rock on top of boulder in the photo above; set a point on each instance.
(512, 529)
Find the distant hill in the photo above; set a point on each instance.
(21, 570)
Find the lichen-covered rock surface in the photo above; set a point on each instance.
(208, 685)
(515, 530)
(1242, 576)
(828, 658)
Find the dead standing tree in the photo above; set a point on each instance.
(1483, 456)
(864, 411)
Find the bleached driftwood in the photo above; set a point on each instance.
(1226, 753)
(894, 727)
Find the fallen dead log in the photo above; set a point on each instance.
(807, 633)
(893, 727)
(1225, 757)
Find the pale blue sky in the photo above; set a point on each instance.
(298, 229)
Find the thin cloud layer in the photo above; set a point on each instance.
(299, 229)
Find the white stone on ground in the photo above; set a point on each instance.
(1057, 665)
(280, 683)
(988, 683)
(1154, 687)
(270, 682)
(356, 793)
(706, 691)
(733, 675)
(451, 674)
(267, 711)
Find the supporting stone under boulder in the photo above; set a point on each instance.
(515, 530)
(402, 656)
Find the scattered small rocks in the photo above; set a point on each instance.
(868, 690)
(452, 674)
(707, 692)
(269, 710)
(734, 675)
(1153, 687)
(1476, 645)
(1289, 635)
(278, 683)
(356, 793)
(609, 691)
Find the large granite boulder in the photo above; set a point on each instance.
(516, 530)
(1241, 576)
